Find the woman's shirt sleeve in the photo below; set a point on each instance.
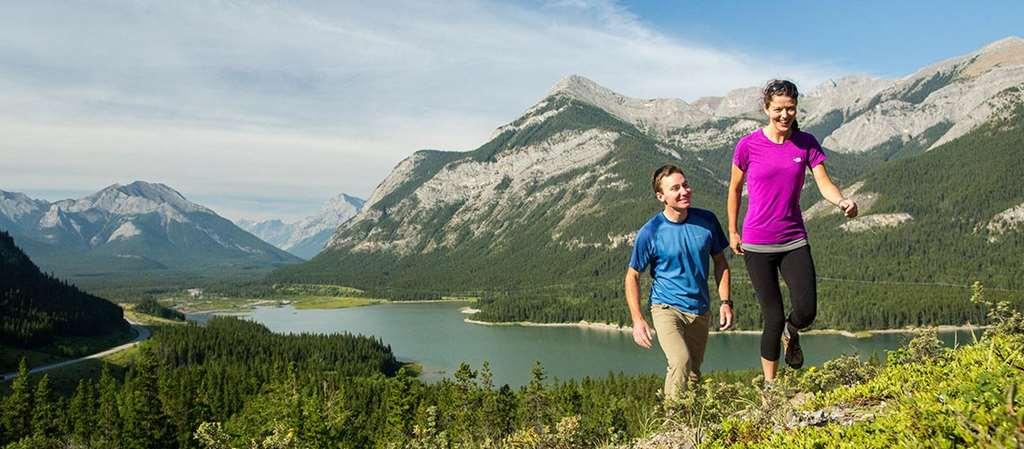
(741, 156)
(815, 155)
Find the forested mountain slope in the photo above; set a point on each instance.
(539, 221)
(38, 308)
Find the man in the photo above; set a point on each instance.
(676, 244)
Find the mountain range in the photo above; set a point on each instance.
(307, 237)
(130, 228)
(550, 204)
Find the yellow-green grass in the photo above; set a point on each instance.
(66, 378)
(301, 296)
(63, 380)
(134, 316)
(332, 302)
(62, 349)
(220, 303)
(316, 289)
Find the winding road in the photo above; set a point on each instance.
(141, 333)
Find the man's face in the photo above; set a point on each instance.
(675, 192)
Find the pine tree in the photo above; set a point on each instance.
(507, 404)
(399, 403)
(17, 407)
(488, 414)
(145, 425)
(82, 413)
(109, 419)
(465, 404)
(44, 413)
(533, 410)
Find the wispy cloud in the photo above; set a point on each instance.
(307, 99)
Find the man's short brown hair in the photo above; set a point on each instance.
(661, 173)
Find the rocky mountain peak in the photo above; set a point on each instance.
(342, 202)
(138, 197)
(658, 115)
(933, 105)
(1011, 43)
(307, 237)
(1003, 53)
(16, 205)
(149, 223)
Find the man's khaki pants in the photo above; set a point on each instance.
(683, 337)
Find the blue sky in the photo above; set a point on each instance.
(265, 109)
(885, 38)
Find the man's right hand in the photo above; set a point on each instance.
(642, 334)
(734, 242)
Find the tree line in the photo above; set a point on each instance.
(234, 382)
(38, 308)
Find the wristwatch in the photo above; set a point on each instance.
(727, 302)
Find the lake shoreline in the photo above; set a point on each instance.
(627, 329)
(242, 308)
(599, 326)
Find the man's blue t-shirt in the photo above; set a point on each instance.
(679, 255)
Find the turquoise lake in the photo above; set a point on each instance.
(435, 335)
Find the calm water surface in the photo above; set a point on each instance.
(435, 335)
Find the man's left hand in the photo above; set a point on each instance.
(724, 317)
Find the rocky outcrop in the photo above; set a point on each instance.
(480, 191)
(1009, 220)
(823, 208)
(876, 221)
(964, 91)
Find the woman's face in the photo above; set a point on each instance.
(781, 113)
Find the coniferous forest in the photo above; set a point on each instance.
(38, 308)
(232, 382)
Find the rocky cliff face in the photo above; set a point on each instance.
(954, 96)
(559, 192)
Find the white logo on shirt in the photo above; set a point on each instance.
(797, 159)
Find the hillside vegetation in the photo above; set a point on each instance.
(38, 308)
(535, 267)
(233, 384)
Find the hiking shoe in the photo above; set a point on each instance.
(791, 346)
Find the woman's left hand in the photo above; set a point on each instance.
(849, 207)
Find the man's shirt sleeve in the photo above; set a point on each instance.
(642, 251)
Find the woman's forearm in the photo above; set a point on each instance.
(826, 187)
(732, 207)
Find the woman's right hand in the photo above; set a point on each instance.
(734, 242)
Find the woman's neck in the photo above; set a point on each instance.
(774, 135)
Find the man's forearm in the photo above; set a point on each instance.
(724, 292)
(632, 285)
(722, 277)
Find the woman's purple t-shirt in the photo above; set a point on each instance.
(775, 177)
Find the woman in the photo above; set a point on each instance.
(773, 161)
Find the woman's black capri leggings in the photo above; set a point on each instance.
(797, 270)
